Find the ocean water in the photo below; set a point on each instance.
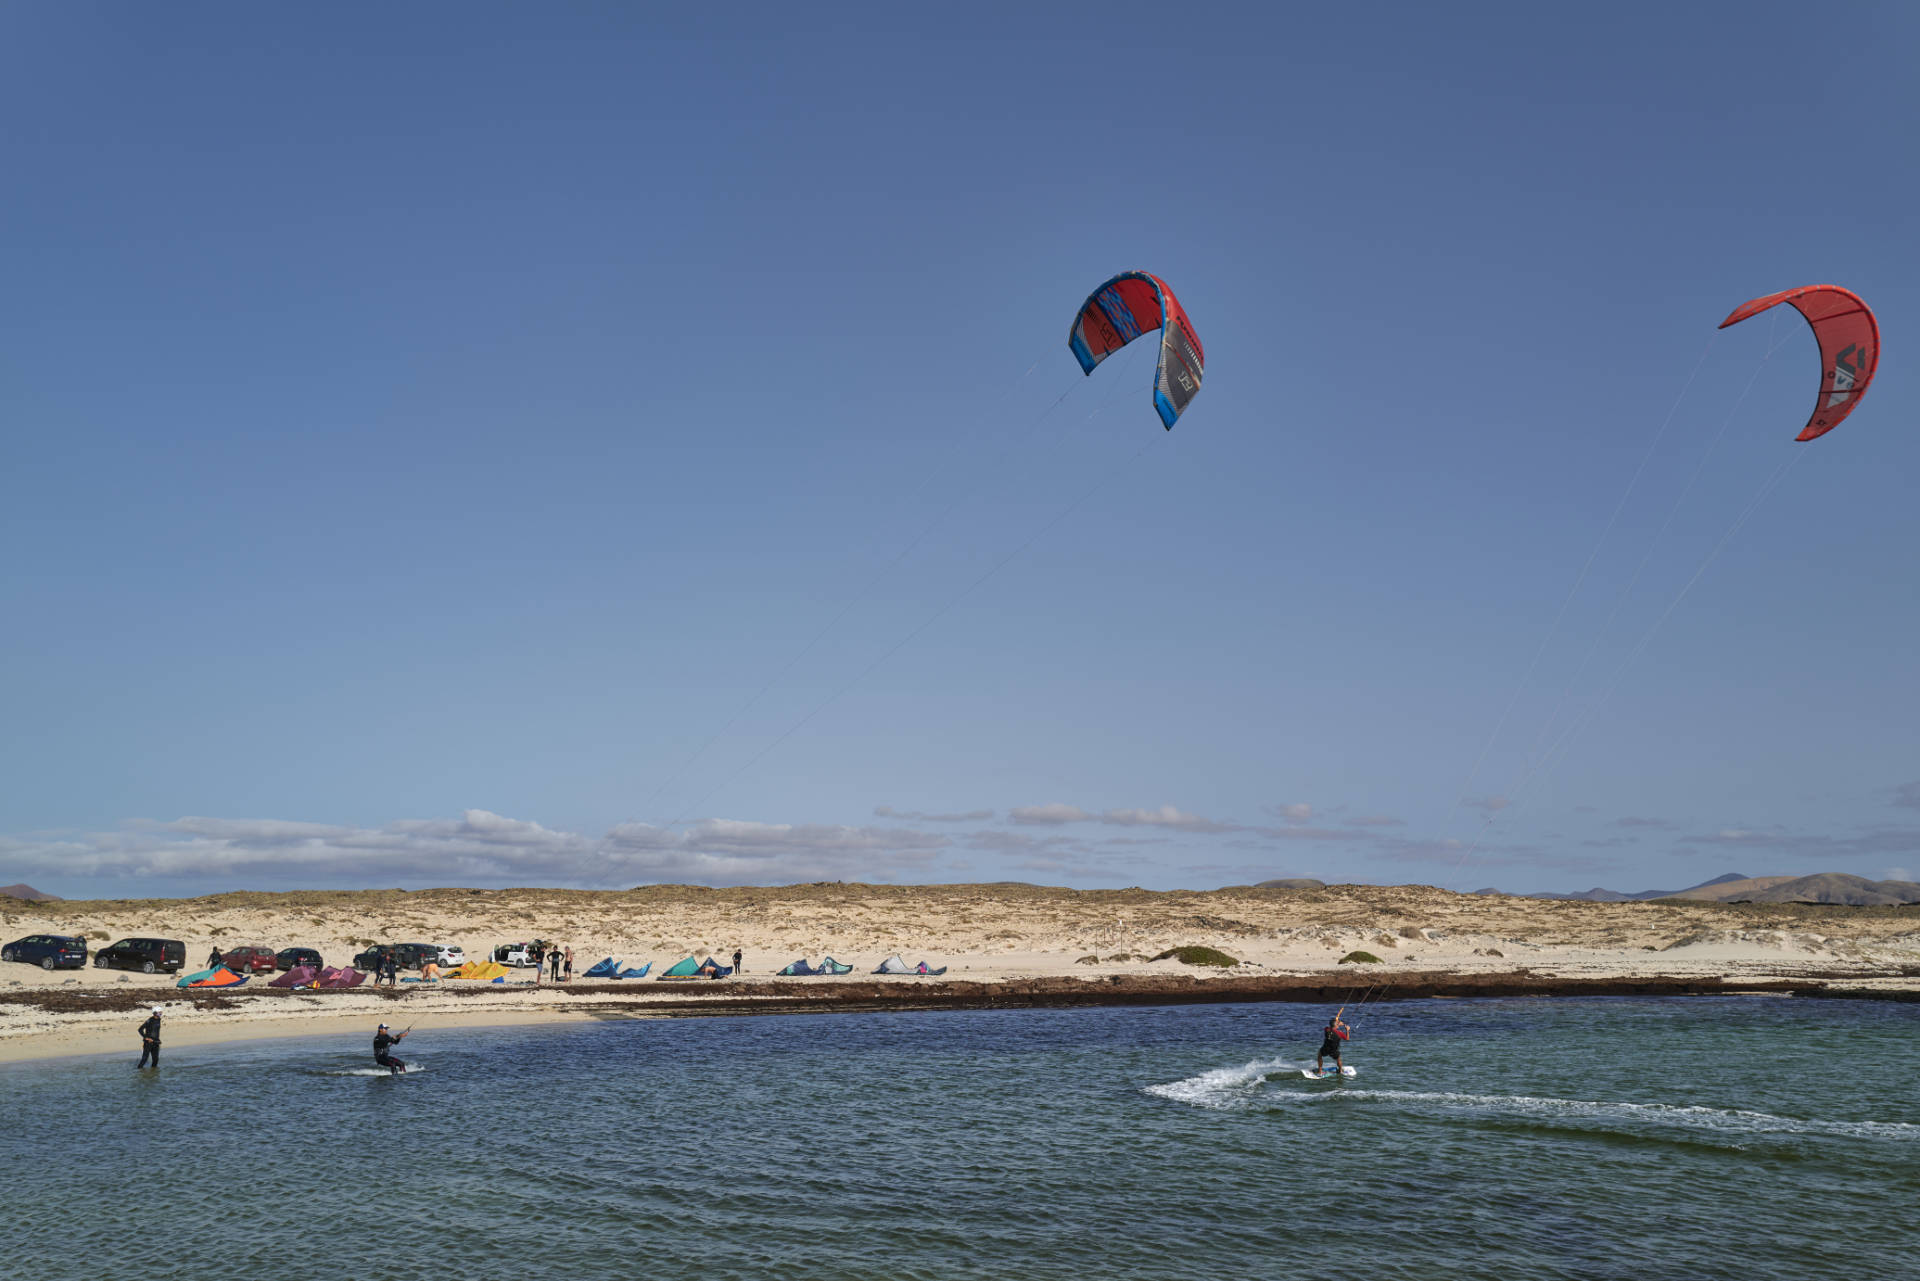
(1701, 1138)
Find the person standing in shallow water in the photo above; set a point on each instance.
(150, 1039)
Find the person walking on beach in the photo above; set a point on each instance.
(213, 958)
(736, 962)
(1331, 1038)
(390, 970)
(150, 1039)
(569, 965)
(383, 1043)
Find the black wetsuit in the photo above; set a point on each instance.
(382, 1044)
(150, 1041)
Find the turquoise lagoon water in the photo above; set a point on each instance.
(1698, 1138)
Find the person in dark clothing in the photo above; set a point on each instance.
(213, 959)
(390, 970)
(383, 1043)
(736, 962)
(150, 1039)
(1331, 1038)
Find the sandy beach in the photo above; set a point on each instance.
(1003, 945)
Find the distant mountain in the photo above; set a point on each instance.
(28, 893)
(1726, 889)
(1833, 887)
(1702, 890)
(1825, 887)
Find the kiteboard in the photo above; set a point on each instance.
(1327, 1075)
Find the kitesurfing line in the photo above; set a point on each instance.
(1557, 751)
(1560, 615)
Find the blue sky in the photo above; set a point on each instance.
(429, 430)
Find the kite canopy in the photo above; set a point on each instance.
(1849, 347)
(687, 969)
(1134, 303)
(218, 976)
(798, 969)
(831, 966)
(298, 976)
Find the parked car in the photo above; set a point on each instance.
(406, 956)
(414, 956)
(145, 955)
(373, 958)
(452, 954)
(289, 957)
(48, 951)
(249, 959)
(515, 954)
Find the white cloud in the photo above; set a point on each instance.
(1048, 815)
(1299, 812)
(915, 816)
(479, 847)
(1166, 816)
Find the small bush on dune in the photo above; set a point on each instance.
(1197, 956)
(1360, 958)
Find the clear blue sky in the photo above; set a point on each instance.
(427, 427)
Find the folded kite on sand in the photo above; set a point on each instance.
(894, 965)
(218, 976)
(298, 976)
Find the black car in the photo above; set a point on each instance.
(145, 955)
(288, 958)
(48, 951)
(414, 956)
(373, 958)
(406, 956)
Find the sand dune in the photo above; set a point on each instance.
(982, 932)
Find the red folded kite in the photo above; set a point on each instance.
(1849, 347)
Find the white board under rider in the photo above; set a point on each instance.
(1327, 1075)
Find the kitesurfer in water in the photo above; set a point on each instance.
(1331, 1038)
(383, 1043)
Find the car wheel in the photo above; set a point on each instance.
(46, 963)
(6, 955)
(147, 968)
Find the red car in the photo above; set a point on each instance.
(250, 960)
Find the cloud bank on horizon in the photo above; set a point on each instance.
(1159, 847)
